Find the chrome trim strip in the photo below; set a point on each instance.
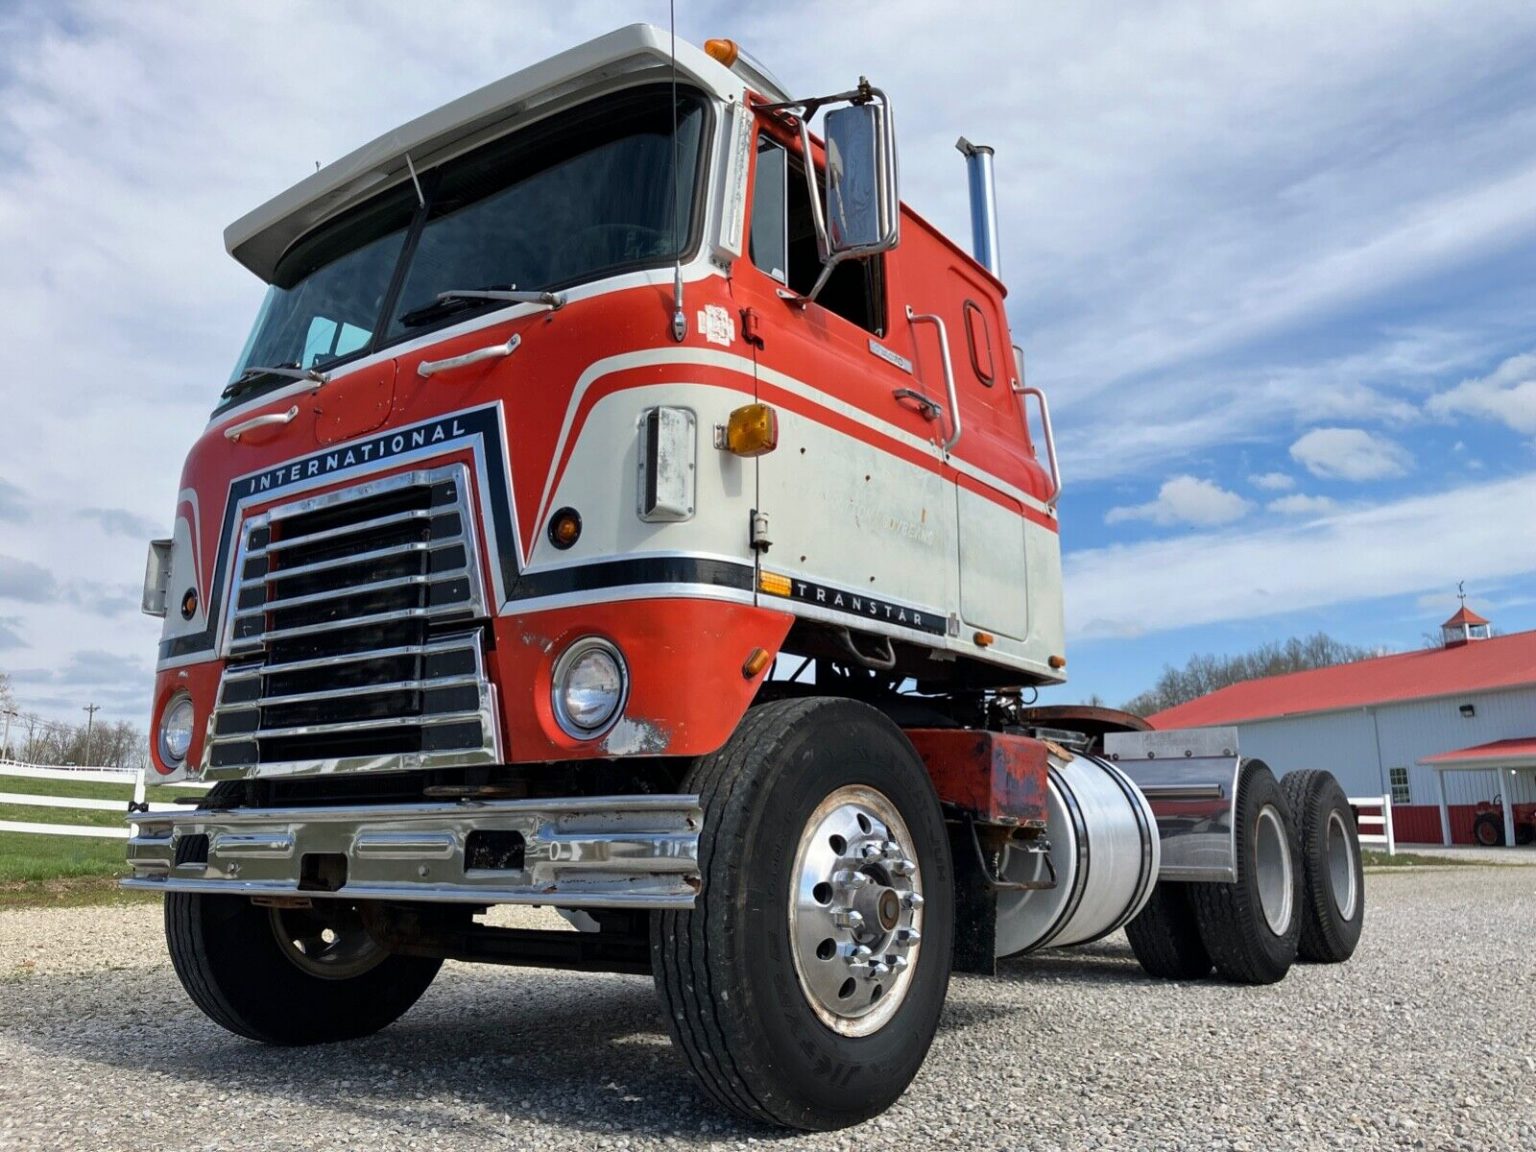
(332, 533)
(578, 852)
(429, 720)
(357, 622)
(348, 590)
(447, 644)
(343, 561)
(344, 693)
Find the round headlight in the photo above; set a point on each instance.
(590, 684)
(176, 730)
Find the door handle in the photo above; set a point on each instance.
(234, 430)
(494, 352)
(949, 372)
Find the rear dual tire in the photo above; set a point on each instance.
(1248, 930)
(1333, 873)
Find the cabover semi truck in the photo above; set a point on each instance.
(626, 504)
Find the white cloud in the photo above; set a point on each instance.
(1176, 186)
(1300, 504)
(1353, 556)
(1507, 394)
(1273, 481)
(1350, 454)
(1185, 500)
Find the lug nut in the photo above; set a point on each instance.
(879, 968)
(858, 959)
(898, 963)
(912, 901)
(850, 879)
(903, 867)
(872, 851)
(848, 919)
(906, 937)
(892, 850)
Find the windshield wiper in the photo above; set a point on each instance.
(459, 299)
(251, 375)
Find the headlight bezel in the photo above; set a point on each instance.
(173, 705)
(560, 679)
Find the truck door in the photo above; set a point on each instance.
(861, 517)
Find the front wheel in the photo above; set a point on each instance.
(289, 975)
(805, 986)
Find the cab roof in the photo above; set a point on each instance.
(259, 238)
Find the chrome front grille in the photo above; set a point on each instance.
(351, 641)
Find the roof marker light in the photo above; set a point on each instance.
(725, 51)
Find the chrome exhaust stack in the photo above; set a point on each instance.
(978, 164)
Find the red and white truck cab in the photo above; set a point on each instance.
(574, 408)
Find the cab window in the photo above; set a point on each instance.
(783, 244)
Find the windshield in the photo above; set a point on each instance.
(584, 194)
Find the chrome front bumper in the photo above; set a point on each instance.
(588, 852)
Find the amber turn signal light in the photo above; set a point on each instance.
(1057, 662)
(752, 431)
(724, 51)
(756, 661)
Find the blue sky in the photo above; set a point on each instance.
(1273, 263)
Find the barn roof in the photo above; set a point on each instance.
(1519, 753)
(1489, 665)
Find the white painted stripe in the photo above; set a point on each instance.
(72, 802)
(656, 357)
(63, 830)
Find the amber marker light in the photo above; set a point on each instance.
(724, 51)
(755, 663)
(1057, 662)
(774, 583)
(752, 430)
(189, 604)
(985, 639)
(565, 528)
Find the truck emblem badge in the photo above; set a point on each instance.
(716, 325)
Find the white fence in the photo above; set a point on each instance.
(125, 776)
(1382, 837)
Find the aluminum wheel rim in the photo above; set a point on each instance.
(1341, 866)
(855, 911)
(331, 944)
(1273, 868)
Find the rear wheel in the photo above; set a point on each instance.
(1166, 937)
(1333, 898)
(1252, 927)
(805, 985)
(1488, 830)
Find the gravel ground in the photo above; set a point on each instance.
(1427, 1039)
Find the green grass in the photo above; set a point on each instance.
(1413, 860)
(84, 790)
(28, 858)
(69, 870)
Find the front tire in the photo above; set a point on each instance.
(288, 976)
(805, 986)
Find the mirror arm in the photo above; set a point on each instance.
(818, 213)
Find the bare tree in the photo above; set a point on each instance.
(1204, 674)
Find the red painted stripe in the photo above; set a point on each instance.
(827, 417)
